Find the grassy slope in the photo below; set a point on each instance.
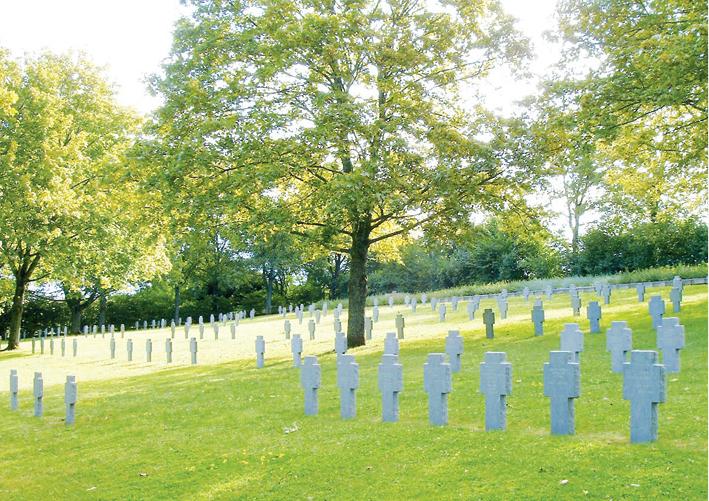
(218, 432)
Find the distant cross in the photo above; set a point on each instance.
(252, 314)
(172, 328)
(676, 298)
(391, 344)
(70, 397)
(317, 316)
(375, 313)
(657, 309)
(442, 312)
(14, 389)
(129, 349)
(670, 339)
(549, 291)
(215, 327)
(424, 297)
(168, 350)
(74, 346)
(298, 314)
(391, 383)
(576, 304)
(63, 346)
(148, 350)
(619, 341)
(644, 386)
(454, 303)
(571, 340)
(502, 306)
(562, 383)
(434, 303)
(347, 382)
(454, 349)
(471, 307)
(489, 321)
(677, 282)
(368, 327)
(38, 393)
(311, 329)
(399, 322)
(391, 301)
(286, 328)
(538, 320)
(525, 293)
(193, 351)
(640, 288)
(201, 331)
(337, 325)
(437, 382)
(187, 330)
(310, 381)
(340, 343)
(412, 305)
(606, 293)
(593, 313)
(232, 328)
(495, 384)
(296, 348)
(260, 346)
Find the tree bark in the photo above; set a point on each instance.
(18, 307)
(102, 308)
(357, 286)
(177, 304)
(268, 274)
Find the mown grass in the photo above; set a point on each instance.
(231, 431)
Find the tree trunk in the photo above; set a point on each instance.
(102, 308)
(18, 307)
(357, 286)
(177, 304)
(75, 319)
(337, 261)
(269, 276)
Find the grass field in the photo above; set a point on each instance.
(225, 430)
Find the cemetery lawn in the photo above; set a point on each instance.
(230, 431)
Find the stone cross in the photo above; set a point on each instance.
(657, 309)
(232, 327)
(148, 350)
(51, 346)
(391, 344)
(260, 350)
(324, 309)
(193, 351)
(676, 298)
(201, 331)
(340, 343)
(442, 312)
(538, 320)
(41, 345)
(434, 303)
(572, 290)
(38, 392)
(62, 344)
(317, 316)
(495, 384)
(310, 382)
(454, 349)
(593, 313)
(412, 304)
(391, 383)
(348, 382)
(168, 350)
(252, 314)
(215, 327)
(311, 329)
(525, 293)
(454, 303)
(489, 321)
(606, 293)
(640, 288)
(129, 349)
(399, 322)
(571, 340)
(502, 306)
(471, 307)
(549, 291)
(112, 348)
(368, 327)
(70, 396)
(14, 389)
(286, 328)
(407, 300)
(187, 330)
(438, 383)
(375, 313)
(33, 345)
(619, 341)
(670, 339)
(172, 328)
(299, 315)
(86, 330)
(677, 282)
(562, 384)
(337, 325)
(74, 346)
(296, 348)
(644, 385)
(576, 305)
(391, 301)
(145, 325)
(424, 297)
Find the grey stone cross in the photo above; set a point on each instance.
(347, 382)
(619, 341)
(538, 320)
(502, 306)
(437, 382)
(129, 349)
(644, 386)
(340, 343)
(148, 350)
(391, 344)
(562, 384)
(640, 288)
(670, 339)
(310, 382)
(168, 350)
(454, 349)
(286, 328)
(489, 321)
(676, 298)
(593, 313)
(38, 393)
(442, 312)
(368, 327)
(296, 348)
(391, 383)
(193, 351)
(260, 345)
(656, 307)
(14, 389)
(70, 397)
(571, 340)
(495, 384)
(311, 329)
(576, 305)
(399, 322)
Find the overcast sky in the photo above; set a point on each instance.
(132, 37)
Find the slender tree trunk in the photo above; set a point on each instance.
(16, 311)
(177, 303)
(357, 286)
(75, 319)
(102, 308)
(269, 276)
(337, 261)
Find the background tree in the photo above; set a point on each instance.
(347, 114)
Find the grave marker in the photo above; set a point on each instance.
(657, 309)
(340, 343)
(644, 385)
(399, 323)
(670, 339)
(562, 384)
(437, 382)
(311, 329)
(576, 305)
(74, 346)
(286, 328)
(640, 288)
(593, 313)
(193, 351)
(391, 383)
(260, 351)
(112, 348)
(489, 321)
(129, 349)
(442, 312)
(310, 382)
(676, 298)
(619, 341)
(495, 384)
(14, 389)
(368, 327)
(571, 340)
(148, 350)
(538, 320)
(347, 382)
(606, 293)
(70, 397)
(375, 314)
(454, 349)
(38, 393)
(502, 306)
(391, 344)
(471, 307)
(296, 348)
(168, 350)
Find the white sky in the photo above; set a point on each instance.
(130, 38)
